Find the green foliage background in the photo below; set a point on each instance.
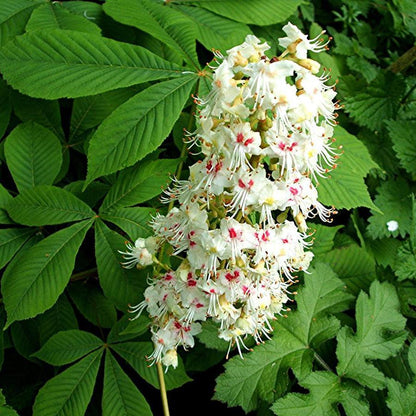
(94, 97)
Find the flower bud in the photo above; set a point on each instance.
(170, 358)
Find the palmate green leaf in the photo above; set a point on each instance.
(14, 16)
(47, 205)
(380, 102)
(120, 396)
(120, 285)
(323, 238)
(209, 337)
(135, 354)
(380, 146)
(246, 382)
(5, 198)
(379, 335)
(4, 409)
(87, 9)
(393, 200)
(345, 188)
(62, 63)
(5, 107)
(44, 112)
(137, 127)
(160, 49)
(92, 304)
(257, 12)
(34, 284)
(11, 239)
(353, 264)
(25, 337)
(68, 346)
(33, 154)
(214, 31)
(401, 134)
(89, 112)
(55, 16)
(411, 355)
(133, 221)
(91, 195)
(60, 317)
(405, 262)
(127, 329)
(326, 391)
(139, 184)
(2, 337)
(402, 400)
(363, 67)
(397, 367)
(164, 23)
(69, 392)
(348, 46)
(384, 250)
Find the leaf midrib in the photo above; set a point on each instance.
(87, 65)
(143, 116)
(18, 12)
(49, 259)
(16, 237)
(82, 118)
(114, 204)
(48, 207)
(115, 379)
(108, 217)
(91, 347)
(80, 379)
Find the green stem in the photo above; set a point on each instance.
(159, 263)
(162, 388)
(323, 363)
(84, 274)
(404, 61)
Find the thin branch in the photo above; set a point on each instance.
(84, 274)
(404, 61)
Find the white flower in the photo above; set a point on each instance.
(140, 254)
(170, 358)
(392, 226)
(293, 35)
(242, 141)
(237, 237)
(250, 50)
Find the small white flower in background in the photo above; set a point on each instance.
(392, 226)
(265, 131)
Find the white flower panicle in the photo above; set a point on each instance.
(265, 132)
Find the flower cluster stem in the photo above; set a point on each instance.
(162, 388)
